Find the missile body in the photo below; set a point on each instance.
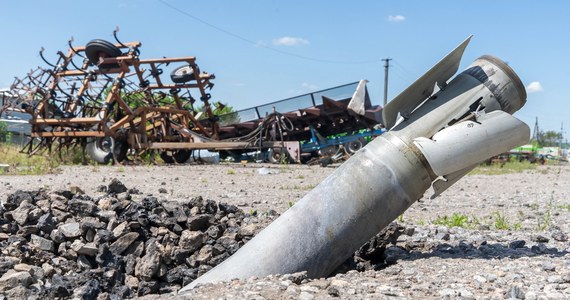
(441, 136)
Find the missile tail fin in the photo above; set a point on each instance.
(422, 88)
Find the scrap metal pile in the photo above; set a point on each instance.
(112, 103)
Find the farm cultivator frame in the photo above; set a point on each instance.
(114, 103)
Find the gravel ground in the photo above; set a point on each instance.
(528, 261)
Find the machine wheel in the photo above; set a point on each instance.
(175, 156)
(101, 149)
(353, 146)
(97, 48)
(182, 74)
(277, 155)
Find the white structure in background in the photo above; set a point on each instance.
(18, 128)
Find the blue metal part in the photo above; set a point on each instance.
(318, 142)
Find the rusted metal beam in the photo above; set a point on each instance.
(70, 134)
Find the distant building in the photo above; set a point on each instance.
(18, 128)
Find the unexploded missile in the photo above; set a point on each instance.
(434, 139)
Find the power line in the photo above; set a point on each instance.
(406, 72)
(246, 40)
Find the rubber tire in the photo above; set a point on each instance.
(182, 74)
(277, 155)
(179, 156)
(94, 47)
(103, 153)
(353, 146)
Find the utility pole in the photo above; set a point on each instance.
(561, 135)
(386, 67)
(536, 132)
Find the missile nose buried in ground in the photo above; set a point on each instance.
(435, 138)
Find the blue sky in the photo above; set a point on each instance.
(340, 42)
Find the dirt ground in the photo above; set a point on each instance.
(501, 209)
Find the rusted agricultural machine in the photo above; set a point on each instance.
(114, 104)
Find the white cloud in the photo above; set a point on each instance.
(396, 18)
(290, 41)
(534, 87)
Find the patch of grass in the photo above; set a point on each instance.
(298, 187)
(517, 226)
(291, 203)
(309, 186)
(22, 164)
(231, 172)
(400, 218)
(566, 207)
(500, 221)
(455, 220)
(300, 177)
(507, 168)
(121, 169)
(544, 220)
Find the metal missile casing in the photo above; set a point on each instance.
(440, 137)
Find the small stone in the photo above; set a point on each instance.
(442, 236)
(101, 189)
(539, 248)
(539, 238)
(70, 230)
(82, 207)
(560, 236)
(13, 279)
(89, 290)
(515, 292)
(88, 249)
(205, 254)
(199, 222)
(106, 215)
(76, 190)
(162, 191)
(120, 230)
(21, 214)
(24, 268)
(48, 269)
(548, 266)
(147, 287)
(116, 187)
(479, 279)
(83, 262)
(191, 240)
(19, 292)
(248, 230)
(121, 244)
(46, 223)
(554, 279)
(517, 244)
(124, 196)
(41, 243)
(296, 278)
(306, 296)
(333, 291)
(131, 281)
(149, 264)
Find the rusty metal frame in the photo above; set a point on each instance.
(144, 123)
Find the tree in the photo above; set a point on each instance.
(549, 138)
